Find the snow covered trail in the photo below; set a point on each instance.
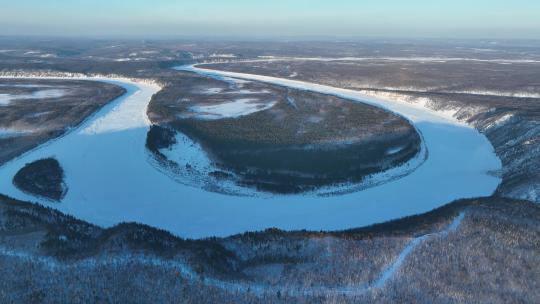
(396, 265)
(110, 179)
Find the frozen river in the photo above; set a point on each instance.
(111, 180)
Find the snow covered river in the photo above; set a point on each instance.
(111, 180)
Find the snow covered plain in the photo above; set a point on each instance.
(111, 179)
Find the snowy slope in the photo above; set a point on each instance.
(110, 179)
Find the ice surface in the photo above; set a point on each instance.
(111, 179)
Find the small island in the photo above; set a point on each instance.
(43, 178)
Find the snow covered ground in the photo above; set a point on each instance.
(5, 99)
(212, 91)
(111, 179)
(236, 108)
(6, 133)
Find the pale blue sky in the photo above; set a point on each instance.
(258, 18)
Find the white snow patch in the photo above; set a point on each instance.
(498, 93)
(7, 133)
(130, 59)
(216, 55)
(211, 91)
(47, 56)
(501, 120)
(187, 153)
(52, 93)
(18, 85)
(394, 150)
(237, 108)
(247, 92)
(38, 114)
(192, 167)
(6, 99)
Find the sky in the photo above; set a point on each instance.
(273, 18)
